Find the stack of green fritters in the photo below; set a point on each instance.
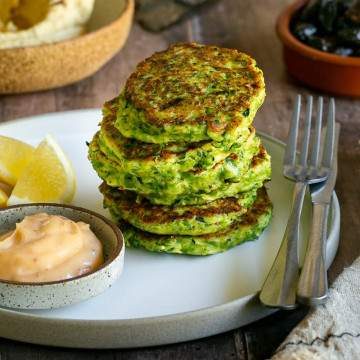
(183, 169)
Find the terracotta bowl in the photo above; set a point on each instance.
(50, 66)
(324, 71)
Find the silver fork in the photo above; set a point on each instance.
(279, 289)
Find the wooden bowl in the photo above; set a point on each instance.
(49, 66)
(325, 71)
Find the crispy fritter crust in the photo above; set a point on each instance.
(160, 214)
(138, 150)
(247, 228)
(192, 83)
(261, 205)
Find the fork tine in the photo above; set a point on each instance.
(317, 135)
(290, 151)
(330, 136)
(306, 139)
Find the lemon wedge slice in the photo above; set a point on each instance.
(6, 188)
(14, 156)
(3, 198)
(48, 177)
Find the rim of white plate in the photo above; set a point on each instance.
(162, 318)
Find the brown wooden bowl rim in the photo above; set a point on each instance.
(114, 255)
(289, 40)
(128, 8)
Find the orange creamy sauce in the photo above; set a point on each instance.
(48, 248)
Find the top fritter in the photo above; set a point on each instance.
(191, 93)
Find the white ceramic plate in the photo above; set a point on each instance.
(160, 298)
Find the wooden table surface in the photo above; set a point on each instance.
(249, 26)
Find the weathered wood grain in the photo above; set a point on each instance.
(249, 26)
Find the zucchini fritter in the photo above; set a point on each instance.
(237, 171)
(249, 227)
(190, 93)
(173, 157)
(182, 220)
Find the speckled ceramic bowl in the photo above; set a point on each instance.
(55, 294)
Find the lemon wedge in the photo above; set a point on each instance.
(14, 156)
(3, 198)
(6, 188)
(48, 177)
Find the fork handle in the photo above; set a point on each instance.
(279, 289)
(313, 285)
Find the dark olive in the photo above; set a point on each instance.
(304, 30)
(343, 51)
(330, 25)
(353, 12)
(350, 36)
(328, 12)
(321, 43)
(344, 5)
(341, 23)
(310, 12)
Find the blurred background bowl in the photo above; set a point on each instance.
(53, 65)
(321, 70)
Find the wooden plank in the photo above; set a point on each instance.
(12, 350)
(16, 106)
(215, 347)
(249, 26)
(212, 348)
(263, 337)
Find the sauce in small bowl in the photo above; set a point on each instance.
(83, 269)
